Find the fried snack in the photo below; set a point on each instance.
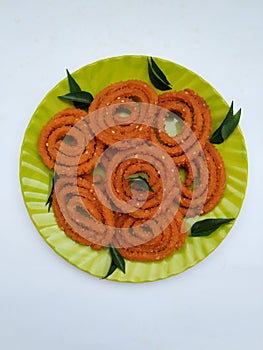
(122, 108)
(52, 134)
(69, 164)
(67, 141)
(204, 186)
(188, 175)
(80, 214)
(193, 119)
(162, 178)
(128, 91)
(194, 189)
(161, 246)
(124, 190)
(129, 121)
(217, 177)
(63, 224)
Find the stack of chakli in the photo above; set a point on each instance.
(96, 154)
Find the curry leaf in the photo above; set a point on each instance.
(52, 185)
(73, 85)
(158, 71)
(156, 76)
(207, 226)
(112, 268)
(79, 96)
(117, 258)
(117, 261)
(74, 88)
(227, 126)
(141, 180)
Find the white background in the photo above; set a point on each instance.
(45, 303)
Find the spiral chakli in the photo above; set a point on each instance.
(157, 247)
(99, 157)
(146, 158)
(52, 134)
(204, 184)
(79, 212)
(217, 177)
(122, 110)
(124, 190)
(67, 142)
(193, 118)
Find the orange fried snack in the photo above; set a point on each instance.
(193, 121)
(125, 190)
(64, 142)
(122, 108)
(52, 134)
(125, 130)
(132, 161)
(80, 214)
(204, 185)
(124, 91)
(161, 246)
(217, 177)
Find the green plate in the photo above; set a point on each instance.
(35, 177)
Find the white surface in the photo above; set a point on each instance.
(46, 303)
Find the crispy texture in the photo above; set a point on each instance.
(52, 133)
(80, 214)
(217, 177)
(119, 212)
(161, 246)
(117, 98)
(147, 159)
(75, 156)
(196, 123)
(129, 91)
(206, 184)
